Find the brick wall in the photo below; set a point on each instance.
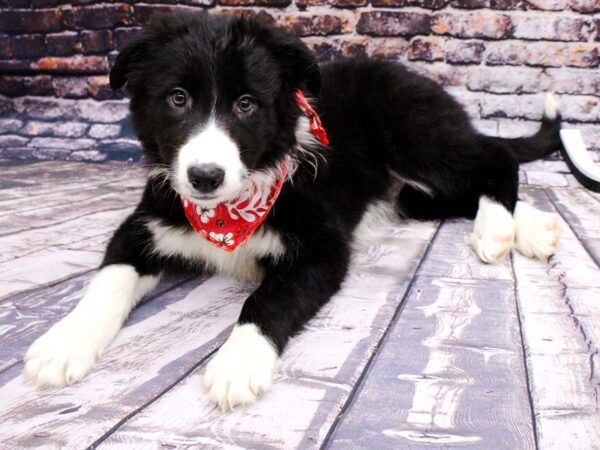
(497, 57)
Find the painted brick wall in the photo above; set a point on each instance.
(497, 57)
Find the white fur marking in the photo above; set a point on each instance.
(494, 232)
(537, 231)
(242, 369)
(172, 241)
(551, 106)
(375, 220)
(66, 352)
(211, 146)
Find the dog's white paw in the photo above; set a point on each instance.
(61, 356)
(537, 231)
(494, 232)
(242, 369)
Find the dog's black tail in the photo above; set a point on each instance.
(544, 142)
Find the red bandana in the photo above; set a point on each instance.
(230, 224)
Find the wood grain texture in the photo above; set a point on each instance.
(582, 215)
(450, 373)
(318, 370)
(560, 312)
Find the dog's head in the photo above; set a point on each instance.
(212, 99)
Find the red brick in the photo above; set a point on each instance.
(471, 4)
(99, 88)
(302, 4)
(426, 49)
(506, 80)
(388, 48)
(100, 41)
(39, 85)
(574, 81)
(392, 23)
(5, 47)
(348, 3)
(73, 64)
(29, 46)
(123, 35)
(555, 28)
(548, 5)
(464, 52)
(585, 6)
(70, 87)
(508, 4)
(12, 86)
(274, 3)
(582, 55)
(429, 4)
(63, 44)
(333, 48)
(98, 17)
(484, 24)
(316, 25)
(547, 54)
(30, 21)
(143, 14)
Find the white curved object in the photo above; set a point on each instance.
(578, 159)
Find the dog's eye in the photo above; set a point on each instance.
(178, 97)
(245, 105)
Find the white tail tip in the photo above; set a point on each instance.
(551, 106)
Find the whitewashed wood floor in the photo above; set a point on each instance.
(424, 347)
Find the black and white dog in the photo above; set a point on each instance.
(215, 102)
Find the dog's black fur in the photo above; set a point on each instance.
(381, 120)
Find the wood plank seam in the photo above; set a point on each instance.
(528, 378)
(139, 409)
(581, 239)
(564, 294)
(390, 325)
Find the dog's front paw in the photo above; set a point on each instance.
(242, 369)
(61, 356)
(494, 232)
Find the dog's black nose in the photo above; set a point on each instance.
(206, 177)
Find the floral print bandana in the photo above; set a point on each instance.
(230, 224)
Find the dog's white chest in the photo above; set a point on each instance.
(241, 263)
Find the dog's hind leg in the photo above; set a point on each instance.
(536, 231)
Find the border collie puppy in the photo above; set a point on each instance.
(247, 181)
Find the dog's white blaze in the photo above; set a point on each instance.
(173, 241)
(494, 232)
(66, 352)
(212, 145)
(242, 369)
(537, 231)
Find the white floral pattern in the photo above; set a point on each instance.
(225, 239)
(205, 214)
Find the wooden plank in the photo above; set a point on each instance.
(43, 216)
(162, 340)
(582, 213)
(43, 268)
(25, 316)
(450, 373)
(452, 256)
(318, 369)
(561, 327)
(28, 242)
(64, 193)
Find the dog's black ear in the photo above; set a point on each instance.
(126, 60)
(299, 64)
